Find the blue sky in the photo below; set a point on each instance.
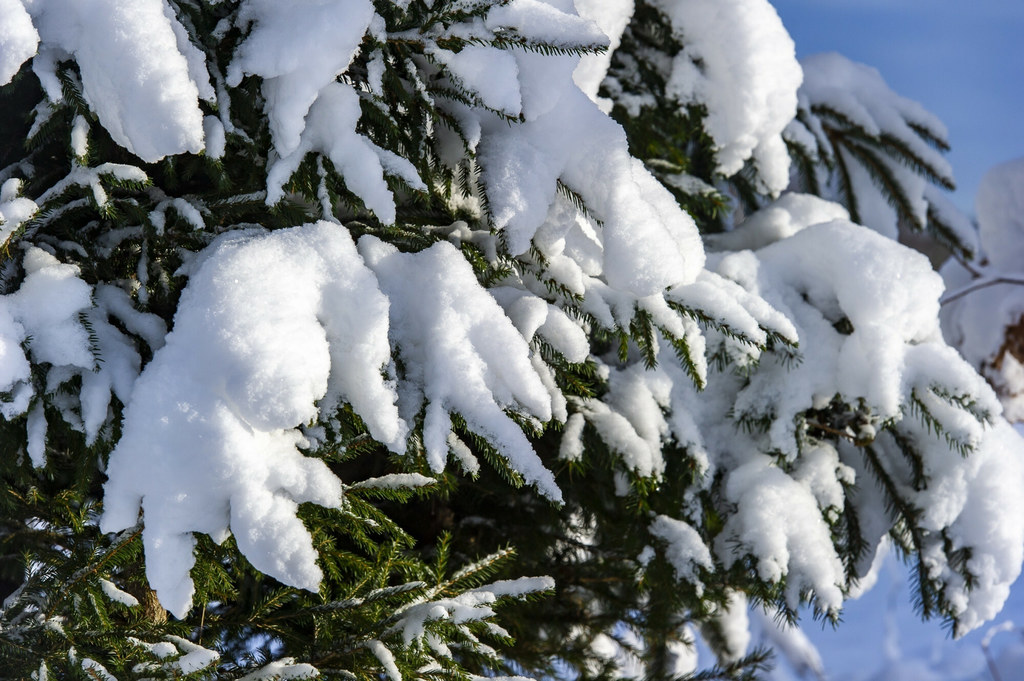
(963, 60)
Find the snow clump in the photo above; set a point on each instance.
(740, 63)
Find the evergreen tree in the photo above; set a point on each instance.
(355, 339)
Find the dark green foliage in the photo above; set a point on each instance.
(667, 137)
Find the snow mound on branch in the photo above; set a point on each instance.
(18, 38)
(42, 314)
(277, 330)
(461, 354)
(647, 242)
(331, 129)
(850, 277)
(779, 522)
(977, 503)
(835, 283)
(782, 218)
(298, 50)
(139, 72)
(740, 63)
(859, 93)
(53, 316)
(266, 327)
(685, 550)
(890, 148)
(14, 210)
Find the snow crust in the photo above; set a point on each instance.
(740, 63)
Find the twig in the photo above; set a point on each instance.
(977, 285)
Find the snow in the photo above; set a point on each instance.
(612, 16)
(859, 93)
(330, 129)
(144, 91)
(461, 354)
(216, 140)
(740, 63)
(686, 550)
(555, 22)
(277, 331)
(648, 243)
(486, 71)
(279, 670)
(781, 517)
(782, 218)
(43, 316)
(297, 51)
(210, 434)
(854, 99)
(96, 670)
(188, 657)
(14, 210)
(111, 591)
(18, 38)
(395, 481)
(778, 523)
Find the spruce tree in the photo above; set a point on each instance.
(355, 339)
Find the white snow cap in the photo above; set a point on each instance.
(267, 326)
(648, 243)
(748, 79)
(18, 38)
(298, 49)
(782, 218)
(461, 354)
(836, 88)
(43, 314)
(139, 72)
